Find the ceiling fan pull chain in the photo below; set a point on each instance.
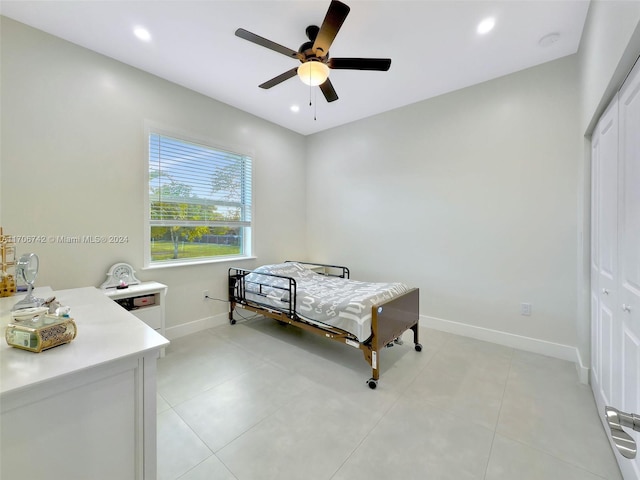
(315, 104)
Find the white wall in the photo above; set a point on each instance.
(470, 196)
(608, 49)
(73, 163)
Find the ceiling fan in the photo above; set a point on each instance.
(314, 54)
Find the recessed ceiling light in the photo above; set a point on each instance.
(295, 108)
(142, 33)
(486, 25)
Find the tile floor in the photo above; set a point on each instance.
(259, 401)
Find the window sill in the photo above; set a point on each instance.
(186, 263)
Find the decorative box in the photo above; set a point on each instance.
(144, 300)
(40, 333)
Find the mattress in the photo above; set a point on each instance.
(334, 301)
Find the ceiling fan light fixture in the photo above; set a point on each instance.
(313, 73)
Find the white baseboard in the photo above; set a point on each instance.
(195, 326)
(534, 345)
(584, 372)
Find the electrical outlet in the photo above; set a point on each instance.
(525, 309)
(205, 294)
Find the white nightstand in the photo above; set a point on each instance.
(151, 296)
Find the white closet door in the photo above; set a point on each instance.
(605, 333)
(629, 251)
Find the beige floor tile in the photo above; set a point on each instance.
(419, 441)
(210, 469)
(184, 373)
(308, 438)
(226, 411)
(511, 459)
(461, 393)
(179, 449)
(546, 408)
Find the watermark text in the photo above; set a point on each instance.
(70, 239)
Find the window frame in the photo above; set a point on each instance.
(153, 128)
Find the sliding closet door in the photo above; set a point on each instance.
(629, 247)
(604, 273)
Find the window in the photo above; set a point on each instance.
(199, 204)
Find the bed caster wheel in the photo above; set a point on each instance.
(373, 383)
(418, 347)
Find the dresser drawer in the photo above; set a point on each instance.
(152, 316)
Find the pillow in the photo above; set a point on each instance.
(274, 287)
(288, 269)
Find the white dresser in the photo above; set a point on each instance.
(86, 409)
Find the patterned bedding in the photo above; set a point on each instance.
(334, 301)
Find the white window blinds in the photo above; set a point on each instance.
(193, 185)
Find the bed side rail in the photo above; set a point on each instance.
(327, 269)
(239, 286)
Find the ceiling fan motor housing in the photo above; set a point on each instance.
(306, 49)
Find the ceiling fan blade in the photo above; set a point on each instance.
(379, 64)
(332, 22)
(280, 78)
(328, 91)
(263, 42)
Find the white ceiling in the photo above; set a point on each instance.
(433, 45)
